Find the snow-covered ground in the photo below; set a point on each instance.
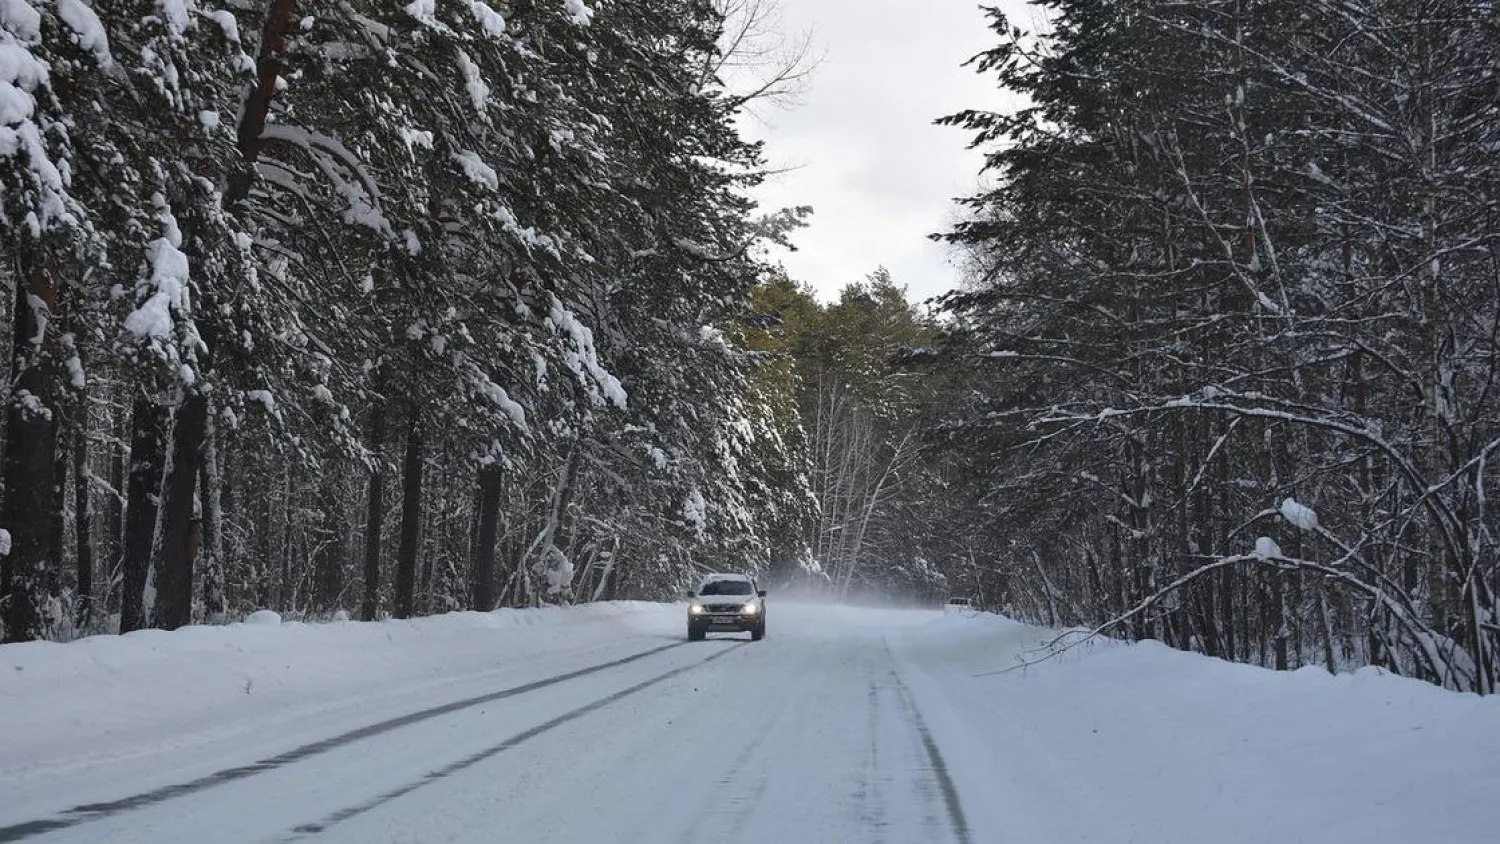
(601, 723)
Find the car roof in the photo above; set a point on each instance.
(726, 576)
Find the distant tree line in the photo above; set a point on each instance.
(860, 422)
(384, 307)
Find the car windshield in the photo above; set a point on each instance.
(725, 587)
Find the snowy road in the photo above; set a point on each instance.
(670, 742)
(602, 724)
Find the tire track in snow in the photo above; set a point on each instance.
(738, 791)
(945, 784)
(741, 799)
(96, 811)
(309, 829)
(868, 796)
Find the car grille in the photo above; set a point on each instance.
(724, 607)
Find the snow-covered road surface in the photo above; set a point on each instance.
(603, 724)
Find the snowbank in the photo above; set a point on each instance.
(1113, 742)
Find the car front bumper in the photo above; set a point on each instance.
(724, 621)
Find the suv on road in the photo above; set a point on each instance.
(727, 603)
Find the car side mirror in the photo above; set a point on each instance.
(691, 595)
(761, 594)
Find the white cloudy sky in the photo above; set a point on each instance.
(878, 174)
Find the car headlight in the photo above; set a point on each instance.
(750, 609)
(696, 609)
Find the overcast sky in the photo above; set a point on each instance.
(879, 175)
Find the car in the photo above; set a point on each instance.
(727, 603)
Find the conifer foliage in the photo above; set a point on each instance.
(404, 307)
(1234, 332)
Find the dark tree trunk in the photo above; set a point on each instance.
(374, 515)
(212, 565)
(114, 513)
(30, 468)
(489, 522)
(1227, 587)
(1279, 620)
(286, 594)
(61, 452)
(83, 518)
(265, 536)
(147, 452)
(179, 528)
(429, 543)
(257, 108)
(411, 522)
(328, 560)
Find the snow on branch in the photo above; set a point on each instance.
(478, 172)
(491, 21)
(176, 13)
(363, 198)
(578, 12)
(1304, 517)
(88, 31)
(582, 358)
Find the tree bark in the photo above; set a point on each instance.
(57, 519)
(429, 542)
(606, 585)
(328, 558)
(490, 478)
(147, 451)
(258, 100)
(114, 518)
(286, 594)
(1279, 621)
(179, 531)
(265, 550)
(374, 514)
(30, 474)
(209, 478)
(83, 518)
(411, 521)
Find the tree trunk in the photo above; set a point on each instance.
(147, 451)
(265, 536)
(114, 524)
(258, 100)
(285, 593)
(607, 577)
(411, 522)
(490, 478)
(212, 565)
(30, 480)
(57, 520)
(10, 291)
(374, 515)
(328, 557)
(179, 528)
(82, 519)
(429, 539)
(1279, 620)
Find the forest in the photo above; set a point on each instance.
(389, 309)
(1236, 302)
